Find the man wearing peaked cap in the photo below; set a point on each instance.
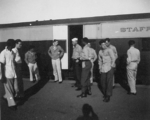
(74, 39)
(77, 50)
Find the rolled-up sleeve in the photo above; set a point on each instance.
(2, 57)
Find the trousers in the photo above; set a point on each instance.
(106, 82)
(91, 77)
(10, 87)
(33, 70)
(85, 76)
(56, 64)
(19, 79)
(77, 71)
(131, 75)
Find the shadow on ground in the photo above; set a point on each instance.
(33, 90)
(88, 113)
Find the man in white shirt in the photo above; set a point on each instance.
(133, 59)
(18, 64)
(107, 40)
(77, 50)
(106, 62)
(9, 77)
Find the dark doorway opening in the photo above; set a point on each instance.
(73, 31)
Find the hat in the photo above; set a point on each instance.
(75, 39)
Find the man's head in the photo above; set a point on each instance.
(85, 40)
(102, 44)
(32, 48)
(89, 44)
(74, 41)
(18, 43)
(55, 42)
(131, 43)
(10, 44)
(107, 41)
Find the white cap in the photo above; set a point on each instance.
(75, 39)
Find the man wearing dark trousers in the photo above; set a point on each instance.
(106, 63)
(18, 64)
(77, 50)
(8, 73)
(86, 70)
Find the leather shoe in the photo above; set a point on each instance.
(55, 80)
(78, 89)
(60, 82)
(14, 108)
(82, 95)
(129, 93)
(107, 99)
(89, 92)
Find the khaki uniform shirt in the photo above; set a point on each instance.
(133, 58)
(106, 60)
(55, 52)
(77, 50)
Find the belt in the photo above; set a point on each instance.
(85, 60)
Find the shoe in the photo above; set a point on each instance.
(14, 108)
(78, 89)
(32, 81)
(89, 92)
(4, 100)
(129, 93)
(55, 80)
(107, 99)
(60, 82)
(82, 95)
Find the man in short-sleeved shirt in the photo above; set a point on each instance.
(86, 69)
(56, 52)
(77, 50)
(133, 59)
(107, 40)
(106, 62)
(18, 65)
(9, 74)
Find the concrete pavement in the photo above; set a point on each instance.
(52, 101)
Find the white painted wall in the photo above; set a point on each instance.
(61, 33)
(12, 11)
(126, 29)
(92, 31)
(31, 33)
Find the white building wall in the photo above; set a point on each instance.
(126, 29)
(92, 31)
(30, 33)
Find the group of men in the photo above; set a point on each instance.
(106, 60)
(11, 71)
(83, 64)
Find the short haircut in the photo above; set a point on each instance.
(17, 41)
(10, 43)
(107, 39)
(31, 47)
(85, 39)
(131, 42)
(101, 41)
(55, 40)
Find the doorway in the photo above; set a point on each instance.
(73, 31)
